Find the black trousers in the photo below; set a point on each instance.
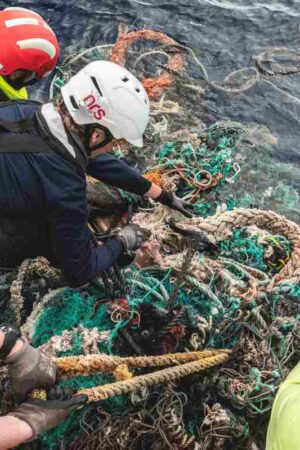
(22, 238)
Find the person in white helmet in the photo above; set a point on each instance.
(45, 152)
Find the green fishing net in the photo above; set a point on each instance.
(216, 167)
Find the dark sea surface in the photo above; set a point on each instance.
(226, 35)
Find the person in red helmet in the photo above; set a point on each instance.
(28, 52)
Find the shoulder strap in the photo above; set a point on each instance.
(42, 142)
(12, 143)
(17, 127)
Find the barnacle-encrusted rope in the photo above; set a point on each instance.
(187, 363)
(17, 299)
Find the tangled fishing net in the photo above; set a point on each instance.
(221, 290)
(178, 84)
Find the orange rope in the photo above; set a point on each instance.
(155, 177)
(155, 87)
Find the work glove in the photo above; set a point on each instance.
(42, 415)
(28, 368)
(169, 199)
(132, 237)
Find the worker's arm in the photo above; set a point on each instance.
(34, 417)
(28, 368)
(115, 172)
(71, 240)
(13, 432)
(77, 256)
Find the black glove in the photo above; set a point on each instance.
(29, 368)
(169, 199)
(42, 415)
(132, 237)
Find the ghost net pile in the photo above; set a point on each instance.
(227, 279)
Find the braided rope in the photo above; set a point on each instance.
(161, 376)
(85, 365)
(17, 299)
(205, 289)
(155, 87)
(40, 267)
(192, 362)
(275, 67)
(222, 223)
(27, 328)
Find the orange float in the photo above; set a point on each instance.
(155, 87)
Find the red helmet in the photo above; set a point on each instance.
(27, 42)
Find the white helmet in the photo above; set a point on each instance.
(107, 94)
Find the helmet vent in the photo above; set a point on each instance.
(73, 101)
(96, 85)
(138, 90)
(125, 79)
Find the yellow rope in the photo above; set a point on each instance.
(161, 376)
(197, 361)
(86, 365)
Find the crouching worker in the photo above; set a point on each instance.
(45, 153)
(29, 369)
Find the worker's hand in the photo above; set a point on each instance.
(28, 368)
(42, 415)
(169, 199)
(132, 236)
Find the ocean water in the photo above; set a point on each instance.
(227, 36)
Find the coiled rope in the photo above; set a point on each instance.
(221, 223)
(155, 87)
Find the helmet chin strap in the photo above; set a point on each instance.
(31, 82)
(89, 129)
(16, 84)
(20, 82)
